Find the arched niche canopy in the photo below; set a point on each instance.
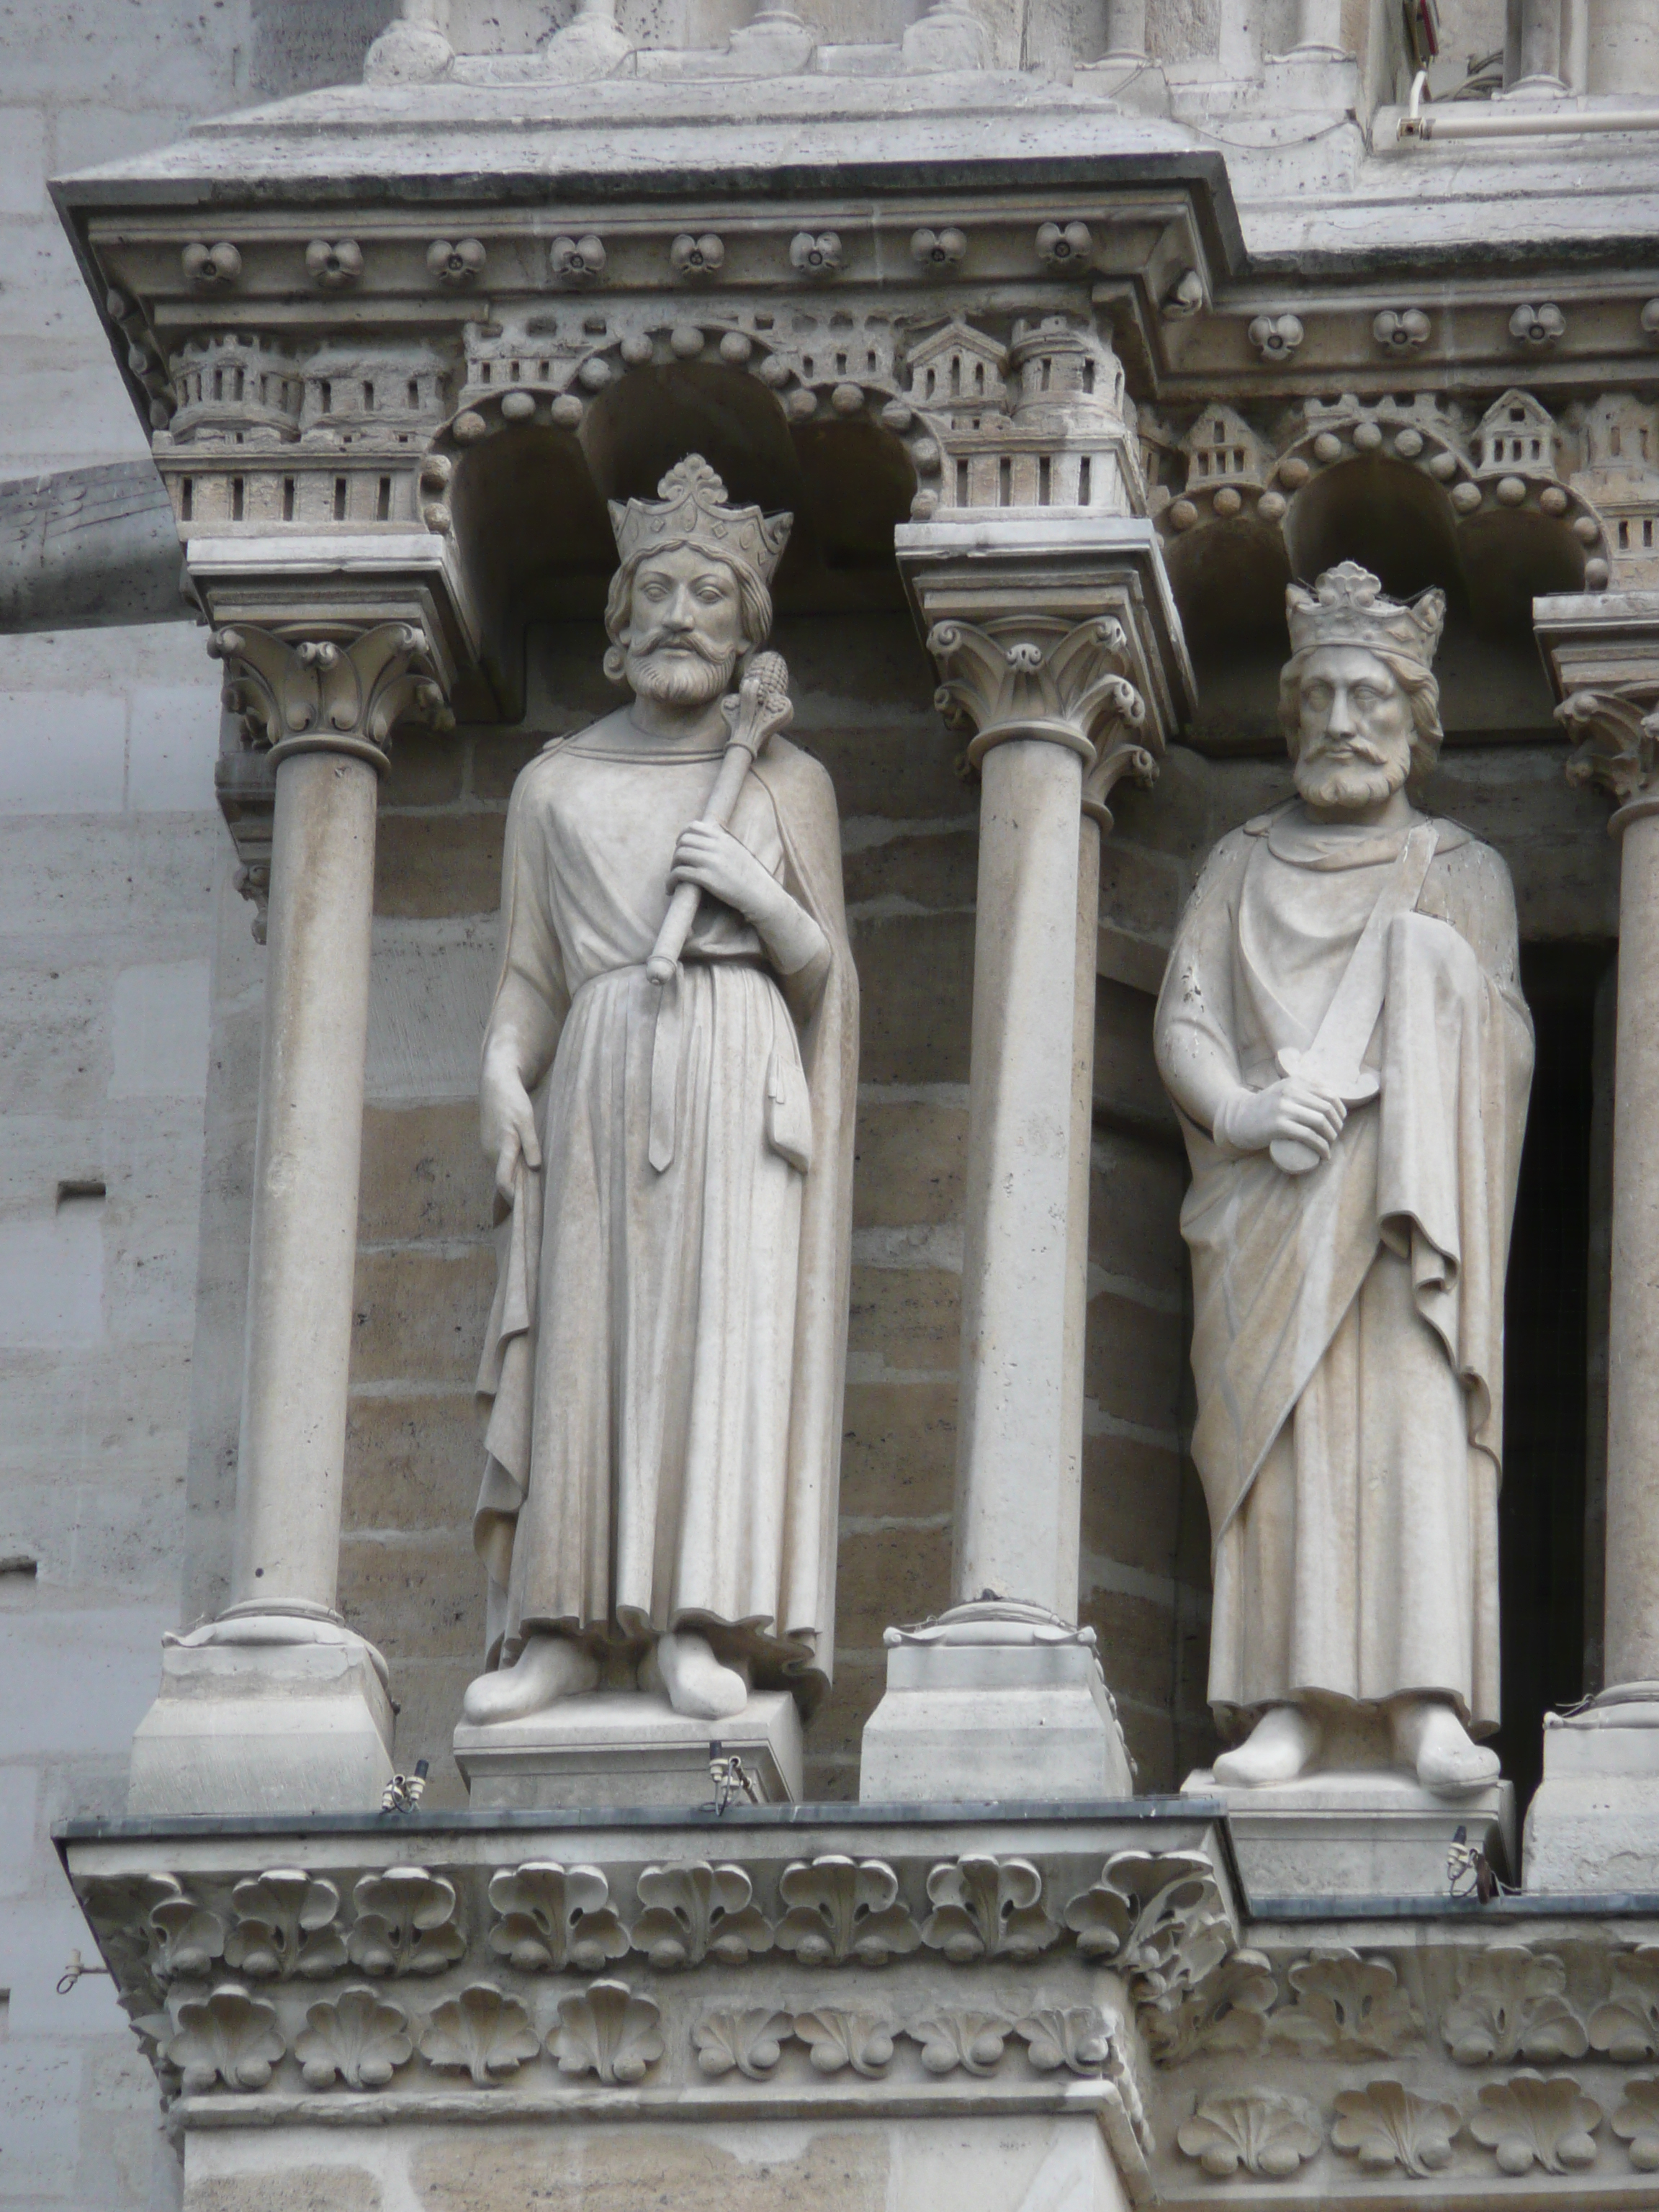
(530, 474)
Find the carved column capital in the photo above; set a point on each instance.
(1601, 650)
(1038, 677)
(1614, 732)
(341, 687)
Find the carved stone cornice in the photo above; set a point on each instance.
(315, 687)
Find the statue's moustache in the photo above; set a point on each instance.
(660, 641)
(1355, 748)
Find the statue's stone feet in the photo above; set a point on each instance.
(1282, 1745)
(696, 1683)
(548, 1668)
(1429, 1737)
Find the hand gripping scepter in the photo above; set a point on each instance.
(759, 710)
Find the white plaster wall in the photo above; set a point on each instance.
(109, 843)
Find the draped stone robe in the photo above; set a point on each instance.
(1347, 1340)
(665, 1356)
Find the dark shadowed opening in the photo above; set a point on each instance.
(1547, 1365)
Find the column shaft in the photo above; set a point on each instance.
(1632, 1563)
(1077, 1267)
(307, 1158)
(1017, 1273)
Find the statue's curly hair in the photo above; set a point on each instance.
(1417, 683)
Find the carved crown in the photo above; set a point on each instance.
(690, 510)
(1347, 606)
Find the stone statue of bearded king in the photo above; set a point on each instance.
(1342, 1031)
(665, 1356)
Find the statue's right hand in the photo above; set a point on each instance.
(508, 1122)
(1297, 1109)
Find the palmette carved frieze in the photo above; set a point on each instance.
(1537, 2120)
(481, 2031)
(548, 1984)
(1627, 2027)
(1267, 2131)
(1348, 2007)
(284, 1926)
(360, 2040)
(1511, 2003)
(1386, 2124)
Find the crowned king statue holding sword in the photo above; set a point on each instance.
(669, 1069)
(1342, 1030)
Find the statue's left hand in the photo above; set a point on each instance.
(722, 865)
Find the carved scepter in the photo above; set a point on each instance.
(760, 709)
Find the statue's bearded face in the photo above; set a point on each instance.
(1353, 746)
(684, 628)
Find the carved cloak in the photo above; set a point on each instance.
(1423, 1180)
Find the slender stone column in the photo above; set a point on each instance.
(1618, 730)
(1053, 638)
(1048, 702)
(305, 1169)
(276, 1706)
(1595, 1822)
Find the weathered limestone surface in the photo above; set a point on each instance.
(87, 85)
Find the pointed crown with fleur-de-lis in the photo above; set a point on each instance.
(1348, 606)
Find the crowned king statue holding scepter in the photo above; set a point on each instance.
(673, 1160)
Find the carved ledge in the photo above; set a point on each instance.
(718, 1974)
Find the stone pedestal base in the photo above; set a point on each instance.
(985, 1706)
(624, 1747)
(1594, 1825)
(1361, 1832)
(265, 1728)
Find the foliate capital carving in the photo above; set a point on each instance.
(1039, 676)
(318, 686)
(1613, 733)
